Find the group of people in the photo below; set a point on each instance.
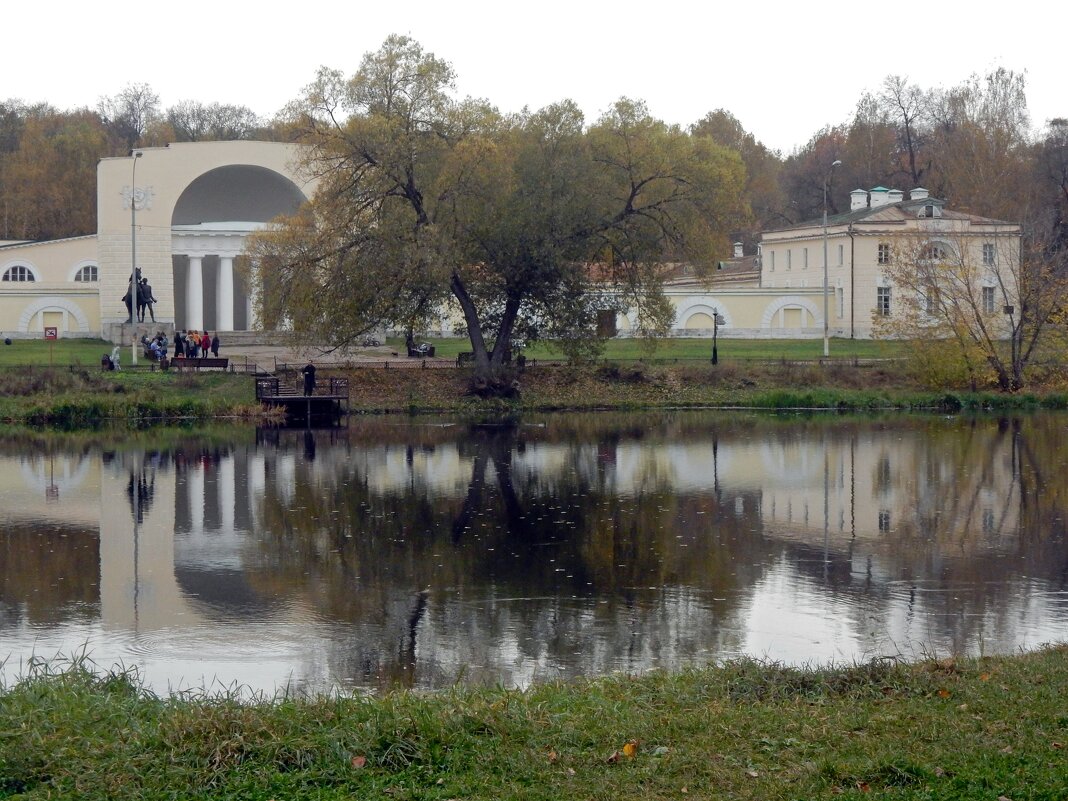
(155, 348)
(195, 344)
(144, 299)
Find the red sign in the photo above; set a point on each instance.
(51, 332)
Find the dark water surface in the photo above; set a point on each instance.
(419, 552)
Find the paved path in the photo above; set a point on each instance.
(266, 356)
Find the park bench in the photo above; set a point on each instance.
(197, 363)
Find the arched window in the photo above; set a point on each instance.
(87, 274)
(20, 272)
(934, 251)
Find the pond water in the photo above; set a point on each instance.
(420, 552)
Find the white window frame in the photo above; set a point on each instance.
(18, 273)
(989, 301)
(882, 301)
(988, 254)
(883, 253)
(87, 269)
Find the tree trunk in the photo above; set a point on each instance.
(491, 378)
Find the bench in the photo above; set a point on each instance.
(423, 351)
(197, 363)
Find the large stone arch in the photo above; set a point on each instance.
(789, 301)
(706, 306)
(53, 303)
(195, 204)
(211, 219)
(236, 192)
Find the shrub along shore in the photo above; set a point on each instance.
(81, 398)
(986, 728)
(861, 377)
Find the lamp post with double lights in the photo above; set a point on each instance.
(826, 284)
(133, 258)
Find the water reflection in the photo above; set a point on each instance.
(415, 553)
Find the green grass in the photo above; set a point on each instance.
(64, 352)
(696, 349)
(85, 397)
(947, 729)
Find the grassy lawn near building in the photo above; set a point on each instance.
(696, 349)
(62, 352)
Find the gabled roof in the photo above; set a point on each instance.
(29, 242)
(891, 212)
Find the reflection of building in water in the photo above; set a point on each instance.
(877, 488)
(527, 553)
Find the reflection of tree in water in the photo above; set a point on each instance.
(543, 558)
(49, 574)
(586, 571)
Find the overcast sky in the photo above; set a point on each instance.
(784, 69)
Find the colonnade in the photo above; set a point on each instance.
(224, 294)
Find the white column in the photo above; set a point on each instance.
(194, 295)
(227, 479)
(224, 294)
(194, 485)
(257, 485)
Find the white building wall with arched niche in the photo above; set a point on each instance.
(49, 284)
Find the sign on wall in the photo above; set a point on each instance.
(51, 332)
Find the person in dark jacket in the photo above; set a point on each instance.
(215, 345)
(309, 379)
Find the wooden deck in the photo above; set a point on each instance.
(329, 399)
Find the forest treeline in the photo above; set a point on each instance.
(973, 145)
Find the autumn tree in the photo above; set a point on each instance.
(996, 297)
(1051, 180)
(129, 114)
(909, 107)
(980, 144)
(48, 173)
(527, 223)
(193, 121)
(805, 171)
(763, 166)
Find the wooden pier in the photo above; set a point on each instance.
(329, 399)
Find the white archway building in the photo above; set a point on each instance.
(196, 203)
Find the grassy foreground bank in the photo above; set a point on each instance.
(970, 729)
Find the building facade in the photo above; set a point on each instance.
(181, 213)
(880, 227)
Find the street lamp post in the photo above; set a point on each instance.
(133, 258)
(826, 284)
(717, 321)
